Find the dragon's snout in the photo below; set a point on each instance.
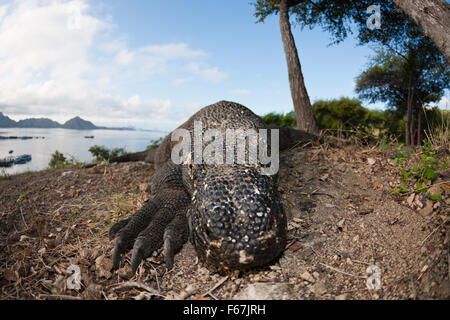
(236, 220)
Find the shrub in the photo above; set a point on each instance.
(102, 153)
(280, 119)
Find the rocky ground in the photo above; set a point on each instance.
(343, 221)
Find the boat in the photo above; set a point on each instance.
(89, 137)
(22, 159)
(7, 162)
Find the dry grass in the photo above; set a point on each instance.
(439, 137)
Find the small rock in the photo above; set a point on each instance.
(265, 291)
(371, 161)
(318, 289)
(307, 276)
(428, 209)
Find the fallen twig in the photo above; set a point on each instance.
(23, 219)
(218, 284)
(424, 240)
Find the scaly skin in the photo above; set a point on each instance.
(233, 213)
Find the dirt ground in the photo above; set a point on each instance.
(343, 220)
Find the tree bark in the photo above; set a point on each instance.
(433, 16)
(302, 105)
(419, 125)
(408, 124)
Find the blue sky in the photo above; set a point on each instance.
(151, 64)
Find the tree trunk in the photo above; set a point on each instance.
(302, 105)
(433, 16)
(408, 137)
(411, 129)
(419, 125)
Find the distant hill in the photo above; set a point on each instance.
(79, 124)
(6, 122)
(76, 123)
(38, 123)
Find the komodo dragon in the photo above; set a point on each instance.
(232, 213)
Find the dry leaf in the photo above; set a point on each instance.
(377, 186)
(295, 246)
(425, 268)
(10, 275)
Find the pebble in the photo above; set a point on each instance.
(265, 291)
(428, 209)
(318, 289)
(307, 276)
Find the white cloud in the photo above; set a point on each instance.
(60, 60)
(241, 92)
(124, 57)
(205, 71)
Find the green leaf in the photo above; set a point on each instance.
(419, 187)
(23, 195)
(429, 173)
(395, 191)
(435, 197)
(405, 175)
(403, 188)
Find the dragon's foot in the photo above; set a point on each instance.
(161, 221)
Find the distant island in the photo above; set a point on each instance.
(76, 124)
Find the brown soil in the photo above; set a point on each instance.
(342, 219)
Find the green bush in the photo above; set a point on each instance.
(58, 160)
(155, 143)
(280, 119)
(347, 115)
(101, 153)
